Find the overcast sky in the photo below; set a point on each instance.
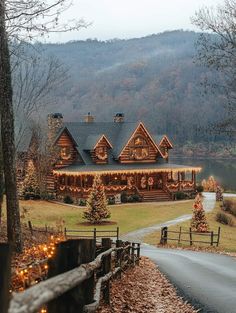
(131, 18)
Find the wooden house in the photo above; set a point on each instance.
(128, 157)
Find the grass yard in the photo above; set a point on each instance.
(128, 217)
(227, 238)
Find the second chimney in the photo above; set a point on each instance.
(89, 118)
(119, 118)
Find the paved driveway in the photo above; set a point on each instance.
(138, 235)
(206, 280)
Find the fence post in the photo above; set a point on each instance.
(30, 227)
(132, 254)
(87, 250)
(118, 255)
(180, 230)
(71, 254)
(117, 233)
(218, 237)
(164, 233)
(190, 236)
(106, 264)
(138, 254)
(95, 235)
(65, 232)
(5, 276)
(212, 237)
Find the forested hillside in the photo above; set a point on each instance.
(152, 78)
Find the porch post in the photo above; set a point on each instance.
(178, 181)
(194, 179)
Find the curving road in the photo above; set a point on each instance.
(206, 280)
(138, 235)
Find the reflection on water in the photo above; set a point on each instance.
(224, 171)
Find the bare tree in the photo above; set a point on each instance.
(21, 20)
(33, 80)
(7, 136)
(217, 50)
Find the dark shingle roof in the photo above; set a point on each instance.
(86, 135)
(91, 141)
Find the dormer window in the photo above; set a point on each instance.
(101, 153)
(139, 149)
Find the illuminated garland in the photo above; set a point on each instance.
(32, 273)
(126, 172)
(180, 184)
(107, 188)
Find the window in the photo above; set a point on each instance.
(139, 149)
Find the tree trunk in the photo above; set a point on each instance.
(7, 134)
(1, 181)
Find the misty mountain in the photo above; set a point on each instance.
(154, 78)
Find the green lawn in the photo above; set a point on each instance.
(128, 217)
(227, 238)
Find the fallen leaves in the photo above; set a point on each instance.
(144, 289)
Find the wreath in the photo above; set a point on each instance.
(150, 181)
(102, 156)
(143, 182)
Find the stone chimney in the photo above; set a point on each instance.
(55, 122)
(119, 118)
(89, 118)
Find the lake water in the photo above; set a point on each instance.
(224, 170)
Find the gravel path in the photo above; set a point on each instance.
(138, 235)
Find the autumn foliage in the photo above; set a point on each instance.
(210, 184)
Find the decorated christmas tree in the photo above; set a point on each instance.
(30, 186)
(96, 210)
(199, 222)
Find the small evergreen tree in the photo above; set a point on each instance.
(96, 210)
(199, 222)
(30, 186)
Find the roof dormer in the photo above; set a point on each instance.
(98, 146)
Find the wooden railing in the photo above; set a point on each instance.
(75, 278)
(93, 233)
(188, 236)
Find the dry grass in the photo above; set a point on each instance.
(227, 238)
(128, 217)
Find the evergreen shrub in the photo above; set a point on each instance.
(223, 218)
(67, 199)
(180, 195)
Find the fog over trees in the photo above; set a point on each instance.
(154, 78)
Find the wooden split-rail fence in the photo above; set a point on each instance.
(77, 279)
(211, 238)
(94, 233)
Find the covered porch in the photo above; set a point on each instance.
(148, 182)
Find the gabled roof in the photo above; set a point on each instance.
(140, 124)
(87, 135)
(61, 131)
(160, 138)
(93, 140)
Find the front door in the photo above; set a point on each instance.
(159, 181)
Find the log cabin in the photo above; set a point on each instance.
(128, 157)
